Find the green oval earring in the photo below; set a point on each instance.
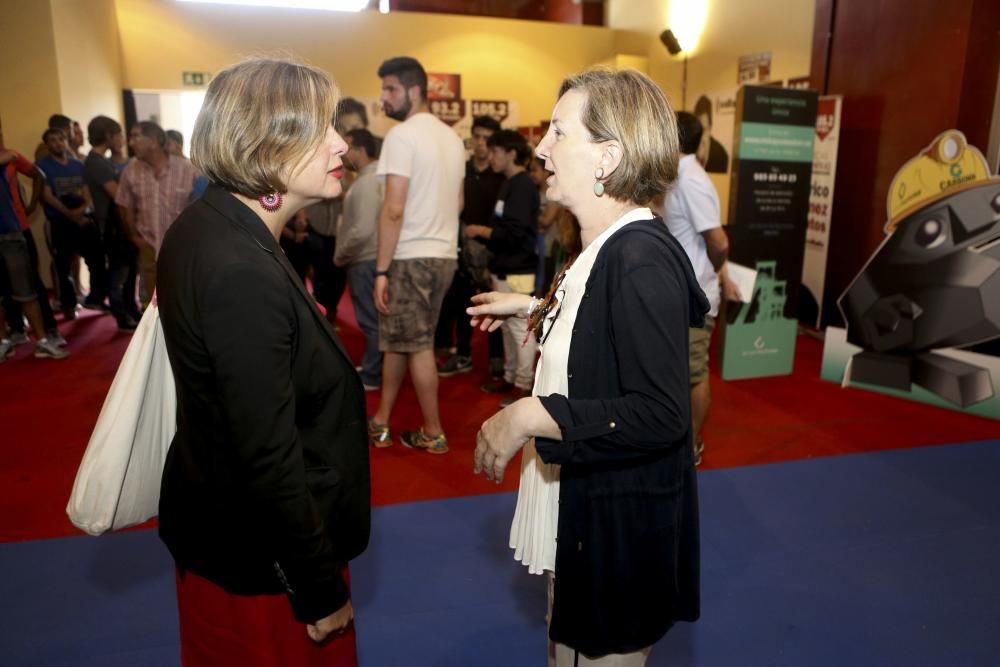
(598, 186)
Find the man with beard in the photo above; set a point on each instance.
(423, 165)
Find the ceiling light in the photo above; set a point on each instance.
(687, 19)
(329, 5)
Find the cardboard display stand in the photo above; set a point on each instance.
(928, 300)
(768, 213)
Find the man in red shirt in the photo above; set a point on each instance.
(16, 267)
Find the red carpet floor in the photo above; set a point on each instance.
(48, 409)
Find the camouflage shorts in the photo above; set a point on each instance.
(698, 340)
(416, 290)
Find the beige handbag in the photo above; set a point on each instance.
(118, 482)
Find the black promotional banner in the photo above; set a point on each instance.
(768, 217)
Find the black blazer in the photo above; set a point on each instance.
(627, 553)
(266, 486)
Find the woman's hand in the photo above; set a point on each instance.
(334, 623)
(500, 437)
(489, 310)
(503, 434)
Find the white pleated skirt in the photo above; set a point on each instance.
(533, 530)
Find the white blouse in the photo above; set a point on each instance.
(533, 531)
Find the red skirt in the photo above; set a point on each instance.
(219, 629)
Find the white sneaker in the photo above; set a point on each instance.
(46, 348)
(18, 337)
(56, 338)
(6, 349)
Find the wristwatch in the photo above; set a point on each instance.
(379, 274)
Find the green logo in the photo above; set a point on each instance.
(956, 170)
(761, 340)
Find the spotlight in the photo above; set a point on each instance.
(670, 41)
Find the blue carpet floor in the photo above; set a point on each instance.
(877, 559)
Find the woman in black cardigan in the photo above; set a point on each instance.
(265, 494)
(608, 497)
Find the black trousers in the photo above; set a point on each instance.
(68, 241)
(123, 272)
(453, 322)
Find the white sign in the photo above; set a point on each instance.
(821, 197)
(744, 278)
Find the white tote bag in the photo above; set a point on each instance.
(118, 483)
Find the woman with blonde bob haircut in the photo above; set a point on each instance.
(265, 495)
(607, 503)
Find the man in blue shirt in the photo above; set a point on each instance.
(69, 208)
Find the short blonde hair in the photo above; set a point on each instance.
(627, 107)
(259, 119)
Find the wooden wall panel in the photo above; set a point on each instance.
(982, 69)
(907, 69)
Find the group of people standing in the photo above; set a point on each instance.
(265, 494)
(103, 208)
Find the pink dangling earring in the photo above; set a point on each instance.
(271, 202)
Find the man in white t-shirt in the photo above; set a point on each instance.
(423, 164)
(692, 214)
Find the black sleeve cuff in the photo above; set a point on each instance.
(319, 600)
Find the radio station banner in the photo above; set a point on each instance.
(821, 202)
(457, 113)
(448, 111)
(442, 86)
(768, 212)
(498, 109)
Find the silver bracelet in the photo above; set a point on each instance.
(531, 308)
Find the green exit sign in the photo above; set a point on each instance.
(195, 78)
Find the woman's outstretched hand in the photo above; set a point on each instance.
(489, 310)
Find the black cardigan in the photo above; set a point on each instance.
(627, 553)
(266, 485)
